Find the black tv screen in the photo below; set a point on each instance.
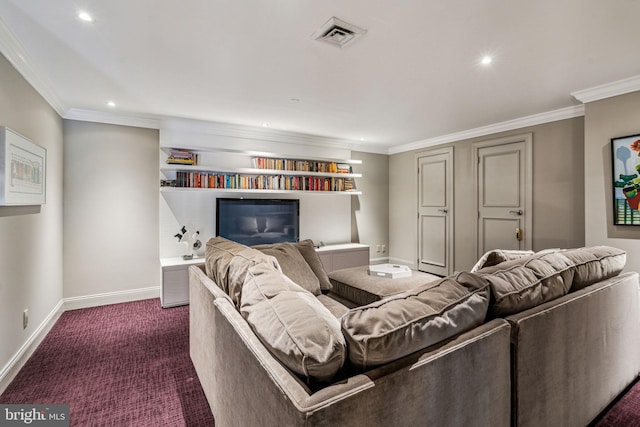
(258, 221)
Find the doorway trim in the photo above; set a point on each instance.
(527, 139)
(450, 151)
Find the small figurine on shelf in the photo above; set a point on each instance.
(190, 239)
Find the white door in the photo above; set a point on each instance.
(435, 212)
(504, 195)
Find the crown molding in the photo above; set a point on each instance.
(264, 134)
(173, 124)
(608, 90)
(535, 119)
(140, 121)
(17, 56)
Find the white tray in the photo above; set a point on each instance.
(391, 271)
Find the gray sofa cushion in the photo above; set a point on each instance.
(407, 322)
(227, 262)
(355, 284)
(308, 251)
(293, 265)
(497, 256)
(292, 323)
(524, 283)
(334, 306)
(594, 264)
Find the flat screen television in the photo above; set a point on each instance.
(258, 221)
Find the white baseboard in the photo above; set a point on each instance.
(413, 265)
(107, 298)
(8, 373)
(16, 363)
(383, 260)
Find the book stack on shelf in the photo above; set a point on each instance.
(181, 157)
(344, 168)
(300, 165)
(188, 179)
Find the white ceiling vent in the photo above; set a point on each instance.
(339, 33)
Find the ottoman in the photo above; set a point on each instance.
(356, 285)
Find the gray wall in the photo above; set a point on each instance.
(110, 208)
(606, 119)
(558, 202)
(31, 236)
(370, 211)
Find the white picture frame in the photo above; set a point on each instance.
(22, 170)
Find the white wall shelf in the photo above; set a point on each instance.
(255, 191)
(251, 153)
(253, 171)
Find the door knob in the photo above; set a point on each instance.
(443, 210)
(518, 233)
(518, 212)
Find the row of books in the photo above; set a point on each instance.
(186, 179)
(181, 157)
(300, 165)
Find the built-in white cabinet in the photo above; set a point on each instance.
(346, 255)
(175, 271)
(175, 280)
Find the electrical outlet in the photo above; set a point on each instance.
(25, 318)
(378, 249)
(384, 249)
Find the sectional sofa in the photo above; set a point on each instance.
(525, 339)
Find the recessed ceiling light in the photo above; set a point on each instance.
(111, 104)
(486, 60)
(85, 16)
(265, 125)
(361, 139)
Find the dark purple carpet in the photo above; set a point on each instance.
(625, 411)
(123, 364)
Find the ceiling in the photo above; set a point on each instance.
(416, 74)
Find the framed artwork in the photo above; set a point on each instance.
(22, 170)
(625, 157)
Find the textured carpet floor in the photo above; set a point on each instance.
(117, 365)
(624, 412)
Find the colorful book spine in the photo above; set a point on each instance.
(300, 165)
(181, 157)
(189, 179)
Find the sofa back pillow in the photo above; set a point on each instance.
(227, 262)
(308, 252)
(525, 283)
(410, 321)
(293, 265)
(291, 322)
(594, 264)
(497, 256)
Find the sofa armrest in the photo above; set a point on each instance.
(572, 356)
(463, 382)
